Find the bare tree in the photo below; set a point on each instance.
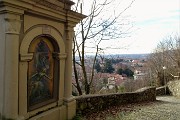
(97, 27)
(166, 54)
(173, 43)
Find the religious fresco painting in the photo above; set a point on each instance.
(41, 79)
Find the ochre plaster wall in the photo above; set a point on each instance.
(2, 51)
(30, 21)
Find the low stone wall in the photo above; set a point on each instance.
(93, 103)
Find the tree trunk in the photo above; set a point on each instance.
(75, 73)
(87, 89)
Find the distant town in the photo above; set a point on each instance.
(117, 73)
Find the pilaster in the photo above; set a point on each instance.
(68, 70)
(68, 98)
(10, 53)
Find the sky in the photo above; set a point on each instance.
(155, 19)
(152, 21)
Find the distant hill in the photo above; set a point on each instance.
(132, 56)
(115, 56)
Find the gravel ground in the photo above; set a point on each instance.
(166, 108)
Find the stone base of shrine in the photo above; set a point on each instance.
(53, 114)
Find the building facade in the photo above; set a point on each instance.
(36, 59)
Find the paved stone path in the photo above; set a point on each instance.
(166, 108)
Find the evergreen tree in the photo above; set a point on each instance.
(119, 71)
(98, 67)
(126, 71)
(108, 68)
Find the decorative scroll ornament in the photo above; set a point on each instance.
(46, 29)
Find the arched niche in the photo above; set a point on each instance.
(41, 76)
(41, 30)
(43, 72)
